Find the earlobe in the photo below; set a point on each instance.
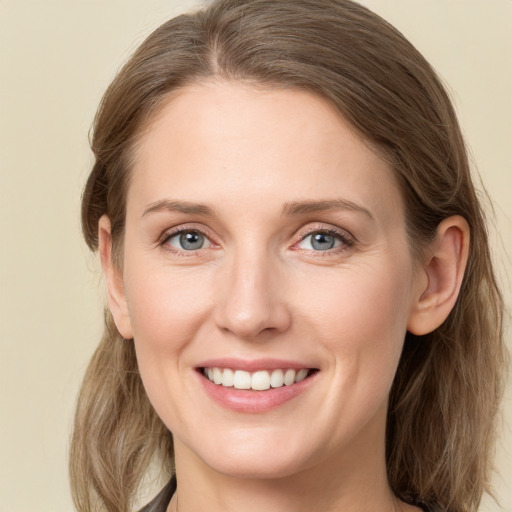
(444, 269)
(114, 280)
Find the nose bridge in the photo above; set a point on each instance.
(252, 301)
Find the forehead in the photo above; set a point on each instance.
(219, 141)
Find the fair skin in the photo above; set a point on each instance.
(263, 234)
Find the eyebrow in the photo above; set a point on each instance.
(289, 209)
(305, 207)
(166, 205)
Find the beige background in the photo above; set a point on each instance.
(56, 58)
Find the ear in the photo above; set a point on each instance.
(114, 279)
(444, 269)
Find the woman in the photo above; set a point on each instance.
(302, 311)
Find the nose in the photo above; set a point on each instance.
(252, 297)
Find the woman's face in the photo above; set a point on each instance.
(265, 242)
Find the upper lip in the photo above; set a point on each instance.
(253, 365)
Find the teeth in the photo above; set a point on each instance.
(217, 376)
(289, 377)
(228, 378)
(258, 381)
(242, 380)
(301, 375)
(277, 378)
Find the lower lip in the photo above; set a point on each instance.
(250, 401)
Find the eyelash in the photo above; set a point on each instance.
(346, 239)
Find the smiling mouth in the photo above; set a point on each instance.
(261, 380)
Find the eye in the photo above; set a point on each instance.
(321, 241)
(188, 240)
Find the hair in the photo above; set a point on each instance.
(446, 393)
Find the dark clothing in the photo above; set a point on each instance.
(161, 501)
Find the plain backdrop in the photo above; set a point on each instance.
(56, 59)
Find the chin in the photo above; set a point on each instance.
(253, 460)
(257, 468)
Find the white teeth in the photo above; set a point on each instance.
(227, 378)
(242, 380)
(217, 376)
(301, 375)
(289, 377)
(277, 378)
(258, 381)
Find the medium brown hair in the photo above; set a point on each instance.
(444, 400)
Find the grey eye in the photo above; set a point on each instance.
(189, 241)
(320, 241)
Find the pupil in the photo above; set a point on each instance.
(322, 241)
(191, 241)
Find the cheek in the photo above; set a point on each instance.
(360, 315)
(360, 320)
(166, 308)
